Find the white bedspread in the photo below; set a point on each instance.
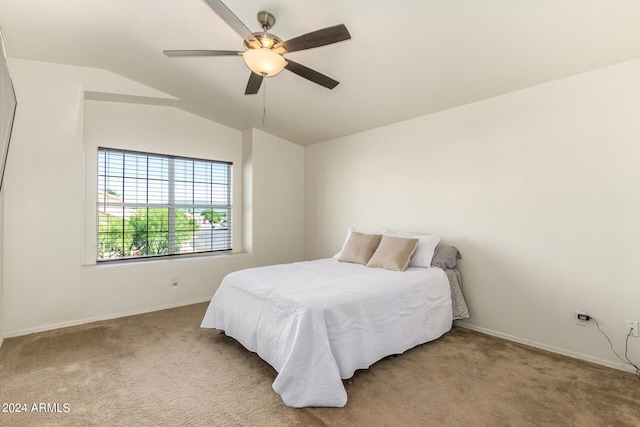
(317, 322)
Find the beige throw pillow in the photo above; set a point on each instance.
(393, 253)
(360, 247)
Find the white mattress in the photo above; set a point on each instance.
(317, 322)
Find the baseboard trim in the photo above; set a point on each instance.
(77, 322)
(552, 349)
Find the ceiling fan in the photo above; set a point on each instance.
(264, 51)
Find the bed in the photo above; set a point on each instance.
(317, 322)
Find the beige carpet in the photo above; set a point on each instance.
(161, 369)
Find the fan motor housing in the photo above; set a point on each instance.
(265, 39)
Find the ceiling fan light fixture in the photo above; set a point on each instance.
(267, 42)
(264, 51)
(264, 61)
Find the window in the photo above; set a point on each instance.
(152, 205)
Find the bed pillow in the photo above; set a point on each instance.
(445, 257)
(360, 247)
(426, 247)
(349, 231)
(393, 253)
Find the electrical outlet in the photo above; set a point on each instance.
(581, 318)
(632, 327)
(174, 281)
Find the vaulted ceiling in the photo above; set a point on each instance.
(406, 58)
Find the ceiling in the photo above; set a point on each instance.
(406, 58)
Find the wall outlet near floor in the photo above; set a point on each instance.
(581, 318)
(174, 281)
(632, 327)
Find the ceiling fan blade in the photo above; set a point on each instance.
(253, 86)
(181, 53)
(232, 20)
(317, 38)
(310, 74)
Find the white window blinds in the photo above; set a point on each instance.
(152, 205)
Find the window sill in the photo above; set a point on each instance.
(163, 260)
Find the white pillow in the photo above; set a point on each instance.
(337, 256)
(426, 247)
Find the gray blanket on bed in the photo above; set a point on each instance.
(459, 305)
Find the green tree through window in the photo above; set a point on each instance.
(213, 217)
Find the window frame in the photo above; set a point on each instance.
(172, 204)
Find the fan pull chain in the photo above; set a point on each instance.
(264, 101)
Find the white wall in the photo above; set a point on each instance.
(49, 280)
(274, 207)
(278, 202)
(539, 189)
